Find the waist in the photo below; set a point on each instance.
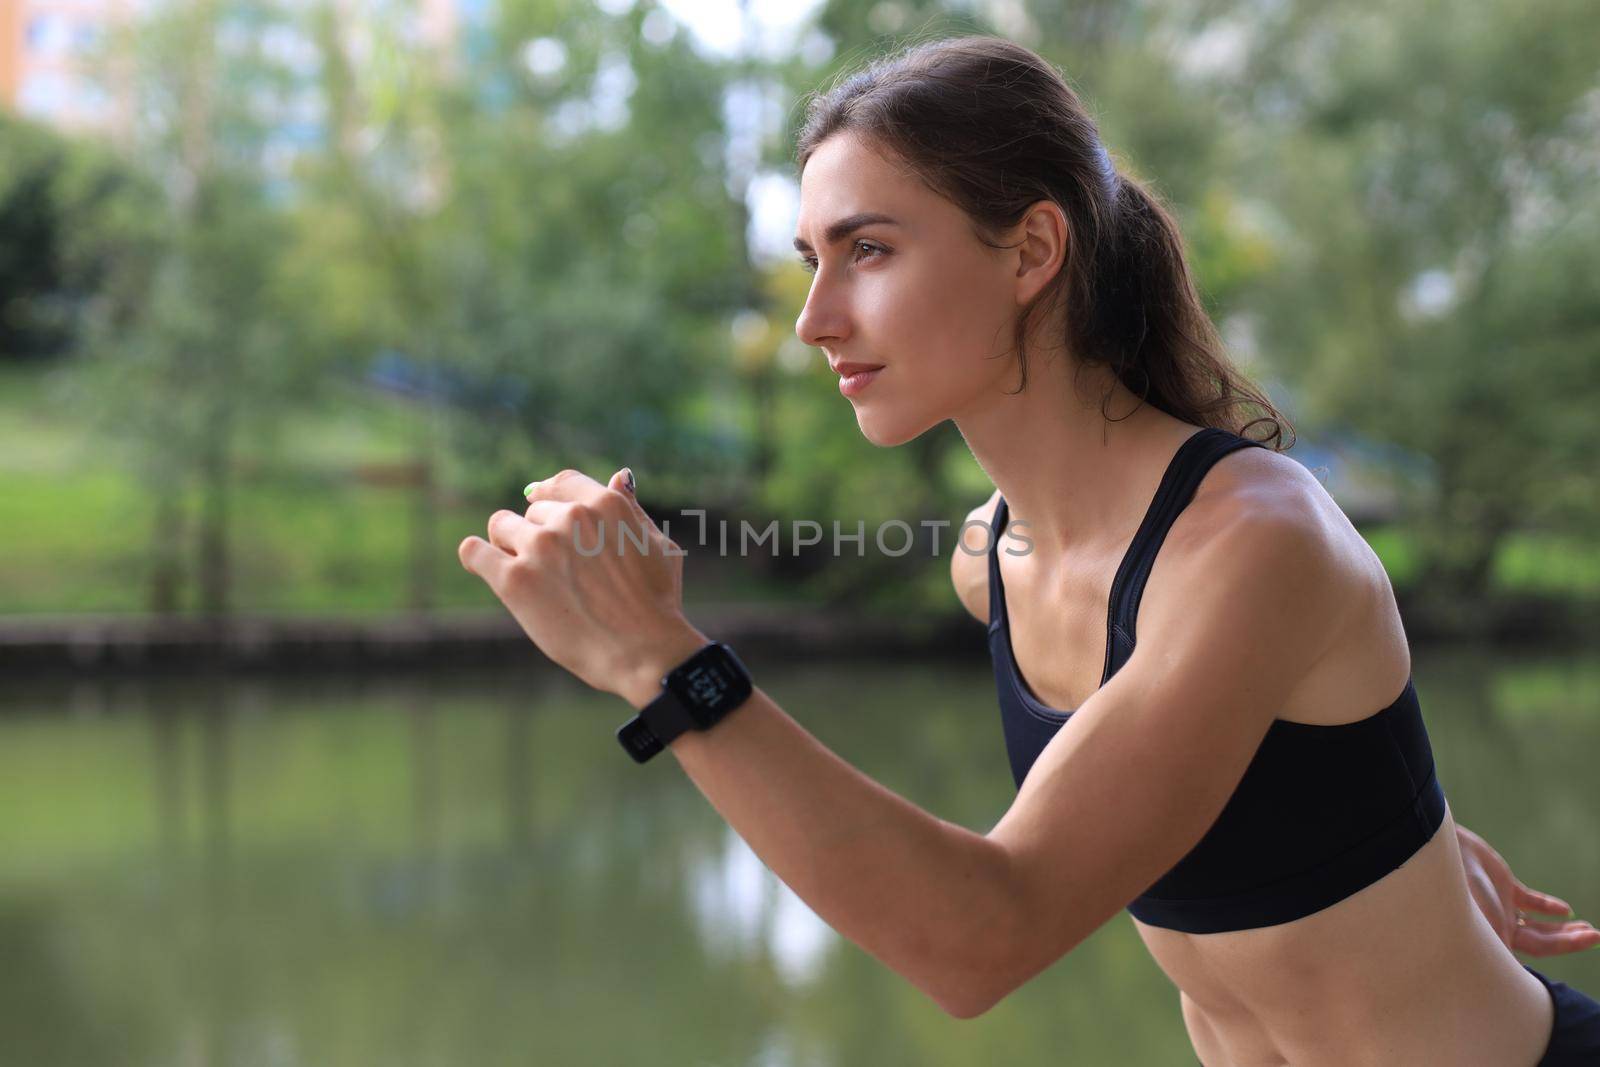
(1406, 970)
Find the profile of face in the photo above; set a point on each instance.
(901, 280)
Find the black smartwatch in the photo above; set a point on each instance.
(695, 695)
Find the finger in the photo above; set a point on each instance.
(507, 531)
(1533, 900)
(481, 558)
(556, 512)
(623, 482)
(1538, 938)
(589, 533)
(542, 511)
(566, 485)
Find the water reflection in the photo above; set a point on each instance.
(745, 911)
(467, 870)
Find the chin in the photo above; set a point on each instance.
(886, 433)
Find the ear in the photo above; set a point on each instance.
(1041, 244)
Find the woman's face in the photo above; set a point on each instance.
(920, 295)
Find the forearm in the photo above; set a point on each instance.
(930, 899)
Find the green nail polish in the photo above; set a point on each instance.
(528, 488)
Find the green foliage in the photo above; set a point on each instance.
(1432, 145)
(566, 238)
(67, 209)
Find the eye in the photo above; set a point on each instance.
(872, 248)
(809, 263)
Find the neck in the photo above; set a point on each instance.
(1077, 478)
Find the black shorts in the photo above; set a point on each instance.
(1575, 1038)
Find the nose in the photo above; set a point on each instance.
(824, 318)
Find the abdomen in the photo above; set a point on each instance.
(1405, 971)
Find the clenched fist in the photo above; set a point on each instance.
(592, 581)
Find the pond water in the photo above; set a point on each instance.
(465, 869)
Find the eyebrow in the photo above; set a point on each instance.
(846, 226)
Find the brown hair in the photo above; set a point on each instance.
(994, 128)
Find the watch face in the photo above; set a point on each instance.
(705, 684)
(710, 684)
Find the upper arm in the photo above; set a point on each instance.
(1142, 769)
(969, 567)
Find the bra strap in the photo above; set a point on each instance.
(1195, 457)
(997, 600)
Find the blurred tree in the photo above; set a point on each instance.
(549, 236)
(51, 187)
(374, 195)
(192, 348)
(599, 255)
(1432, 173)
(569, 267)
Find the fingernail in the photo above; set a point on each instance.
(628, 471)
(528, 489)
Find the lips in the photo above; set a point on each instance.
(845, 369)
(854, 384)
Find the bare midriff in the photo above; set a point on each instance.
(1406, 971)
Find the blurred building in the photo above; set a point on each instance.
(44, 69)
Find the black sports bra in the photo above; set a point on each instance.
(1321, 811)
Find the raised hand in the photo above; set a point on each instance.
(592, 581)
(1506, 902)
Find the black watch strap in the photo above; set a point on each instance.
(658, 722)
(638, 740)
(694, 695)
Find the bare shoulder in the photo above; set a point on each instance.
(1262, 513)
(1257, 488)
(969, 565)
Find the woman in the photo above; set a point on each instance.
(978, 257)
